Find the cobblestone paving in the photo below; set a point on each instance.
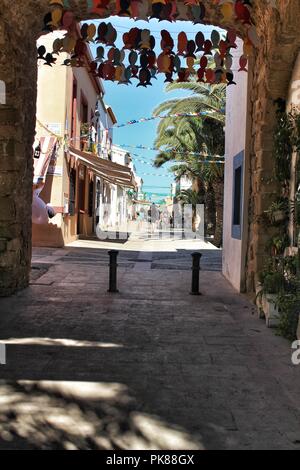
(149, 368)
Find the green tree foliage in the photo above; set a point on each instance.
(187, 136)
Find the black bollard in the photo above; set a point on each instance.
(196, 273)
(113, 255)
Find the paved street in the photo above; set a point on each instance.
(149, 368)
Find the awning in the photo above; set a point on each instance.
(41, 164)
(111, 172)
(142, 203)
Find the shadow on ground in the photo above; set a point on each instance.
(86, 416)
(149, 368)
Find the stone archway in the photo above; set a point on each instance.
(20, 24)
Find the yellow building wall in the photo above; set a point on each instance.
(52, 99)
(54, 111)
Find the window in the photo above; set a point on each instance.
(72, 191)
(237, 203)
(91, 199)
(84, 111)
(74, 110)
(98, 200)
(81, 188)
(84, 123)
(237, 196)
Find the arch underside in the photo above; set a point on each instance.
(83, 12)
(266, 15)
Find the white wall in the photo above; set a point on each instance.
(185, 183)
(110, 125)
(294, 100)
(102, 129)
(139, 183)
(119, 155)
(235, 142)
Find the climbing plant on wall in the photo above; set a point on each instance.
(281, 277)
(283, 146)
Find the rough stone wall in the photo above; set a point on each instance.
(20, 24)
(273, 67)
(17, 124)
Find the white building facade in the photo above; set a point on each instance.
(235, 225)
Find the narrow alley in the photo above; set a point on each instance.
(151, 367)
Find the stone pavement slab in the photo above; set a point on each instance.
(149, 368)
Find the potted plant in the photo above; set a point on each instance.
(84, 135)
(272, 284)
(279, 211)
(278, 244)
(295, 210)
(288, 303)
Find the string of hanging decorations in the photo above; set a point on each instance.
(176, 61)
(68, 140)
(154, 149)
(135, 157)
(144, 162)
(207, 159)
(161, 116)
(162, 175)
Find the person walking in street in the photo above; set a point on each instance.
(141, 219)
(154, 217)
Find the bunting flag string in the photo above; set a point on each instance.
(206, 160)
(173, 116)
(217, 162)
(143, 147)
(155, 174)
(66, 141)
(155, 149)
(152, 118)
(139, 44)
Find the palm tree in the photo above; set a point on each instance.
(189, 196)
(187, 136)
(215, 179)
(209, 99)
(184, 138)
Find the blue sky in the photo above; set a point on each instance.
(130, 102)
